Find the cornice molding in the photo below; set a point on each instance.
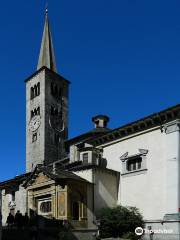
(172, 127)
(155, 120)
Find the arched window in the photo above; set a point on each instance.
(38, 89)
(35, 112)
(32, 92)
(35, 91)
(38, 111)
(56, 91)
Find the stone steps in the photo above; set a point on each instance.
(15, 234)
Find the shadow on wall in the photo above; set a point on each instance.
(39, 228)
(107, 191)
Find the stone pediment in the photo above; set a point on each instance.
(41, 178)
(38, 180)
(44, 175)
(38, 177)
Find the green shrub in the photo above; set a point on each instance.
(130, 236)
(119, 222)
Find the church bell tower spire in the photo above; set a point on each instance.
(47, 56)
(47, 95)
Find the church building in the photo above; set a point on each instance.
(72, 179)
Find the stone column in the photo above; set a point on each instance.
(30, 202)
(172, 131)
(53, 196)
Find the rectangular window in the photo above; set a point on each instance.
(85, 158)
(134, 164)
(129, 167)
(139, 164)
(46, 207)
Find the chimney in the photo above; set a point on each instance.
(100, 121)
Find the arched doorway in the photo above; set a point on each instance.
(75, 210)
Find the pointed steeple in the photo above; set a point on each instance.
(47, 56)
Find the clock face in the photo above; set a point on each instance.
(56, 123)
(35, 123)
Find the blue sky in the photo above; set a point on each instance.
(121, 56)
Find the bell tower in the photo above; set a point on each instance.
(46, 108)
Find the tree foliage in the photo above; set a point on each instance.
(119, 221)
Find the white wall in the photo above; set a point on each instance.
(20, 201)
(172, 130)
(145, 190)
(105, 186)
(86, 174)
(106, 189)
(5, 209)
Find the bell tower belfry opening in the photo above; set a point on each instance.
(46, 108)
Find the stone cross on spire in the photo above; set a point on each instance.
(47, 56)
